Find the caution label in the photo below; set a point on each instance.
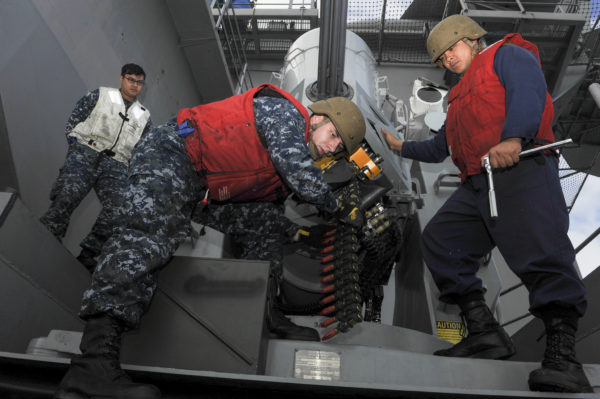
(451, 331)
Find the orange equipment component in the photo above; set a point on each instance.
(364, 163)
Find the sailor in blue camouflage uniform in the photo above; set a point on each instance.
(103, 128)
(166, 189)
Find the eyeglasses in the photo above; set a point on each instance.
(133, 81)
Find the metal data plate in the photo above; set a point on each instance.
(317, 365)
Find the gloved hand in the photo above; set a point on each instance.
(315, 235)
(348, 205)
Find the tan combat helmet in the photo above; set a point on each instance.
(346, 117)
(452, 29)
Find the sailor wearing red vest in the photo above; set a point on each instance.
(249, 151)
(500, 106)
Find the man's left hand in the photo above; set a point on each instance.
(504, 154)
(394, 143)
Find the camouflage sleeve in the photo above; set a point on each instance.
(282, 126)
(82, 110)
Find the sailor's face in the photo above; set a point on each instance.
(131, 86)
(458, 57)
(325, 138)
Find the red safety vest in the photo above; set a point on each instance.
(476, 110)
(227, 151)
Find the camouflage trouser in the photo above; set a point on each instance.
(163, 192)
(163, 189)
(83, 170)
(258, 228)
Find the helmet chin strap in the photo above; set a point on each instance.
(315, 126)
(313, 150)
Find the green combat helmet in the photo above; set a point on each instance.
(346, 117)
(448, 32)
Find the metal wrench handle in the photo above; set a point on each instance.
(492, 192)
(545, 147)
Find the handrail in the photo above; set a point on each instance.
(233, 37)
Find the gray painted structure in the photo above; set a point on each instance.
(54, 51)
(205, 329)
(8, 175)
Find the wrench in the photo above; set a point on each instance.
(491, 193)
(488, 170)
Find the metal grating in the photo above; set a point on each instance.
(571, 181)
(588, 48)
(396, 30)
(268, 28)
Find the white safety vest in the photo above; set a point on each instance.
(110, 127)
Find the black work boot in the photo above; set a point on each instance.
(96, 373)
(283, 327)
(485, 339)
(560, 371)
(87, 258)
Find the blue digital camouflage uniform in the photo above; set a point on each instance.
(83, 170)
(259, 229)
(164, 190)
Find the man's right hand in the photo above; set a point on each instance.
(394, 143)
(504, 154)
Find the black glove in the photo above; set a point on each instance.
(348, 205)
(315, 235)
